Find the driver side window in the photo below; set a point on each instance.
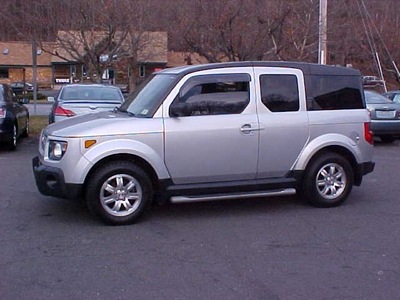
(213, 95)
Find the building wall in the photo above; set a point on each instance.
(44, 75)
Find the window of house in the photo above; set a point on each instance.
(142, 71)
(3, 73)
(214, 95)
(333, 92)
(84, 71)
(279, 92)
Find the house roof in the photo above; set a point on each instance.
(20, 54)
(176, 59)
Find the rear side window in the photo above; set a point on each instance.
(332, 92)
(279, 92)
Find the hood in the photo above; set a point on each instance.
(103, 123)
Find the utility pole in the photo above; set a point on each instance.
(34, 72)
(323, 13)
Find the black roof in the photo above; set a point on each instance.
(306, 68)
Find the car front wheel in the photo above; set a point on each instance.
(119, 193)
(328, 181)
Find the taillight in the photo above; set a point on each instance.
(59, 111)
(2, 113)
(368, 134)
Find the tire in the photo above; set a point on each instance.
(109, 188)
(25, 134)
(12, 143)
(387, 139)
(328, 181)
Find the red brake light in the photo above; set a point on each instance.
(59, 111)
(368, 134)
(2, 113)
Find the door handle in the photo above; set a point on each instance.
(249, 129)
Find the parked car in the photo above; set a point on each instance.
(21, 87)
(14, 117)
(385, 116)
(215, 131)
(372, 81)
(393, 95)
(79, 99)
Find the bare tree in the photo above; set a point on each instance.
(229, 30)
(217, 30)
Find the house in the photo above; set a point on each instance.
(128, 58)
(16, 63)
(57, 64)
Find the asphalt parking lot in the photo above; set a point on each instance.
(276, 248)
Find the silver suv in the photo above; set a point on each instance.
(216, 131)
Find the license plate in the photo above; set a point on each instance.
(383, 114)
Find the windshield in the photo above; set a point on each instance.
(147, 98)
(374, 98)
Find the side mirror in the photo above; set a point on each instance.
(50, 99)
(179, 110)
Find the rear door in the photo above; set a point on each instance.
(283, 119)
(216, 137)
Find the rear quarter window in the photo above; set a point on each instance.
(332, 92)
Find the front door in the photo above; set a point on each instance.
(216, 136)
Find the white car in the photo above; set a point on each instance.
(79, 99)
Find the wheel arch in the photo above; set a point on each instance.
(340, 150)
(139, 161)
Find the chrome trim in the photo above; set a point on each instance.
(199, 198)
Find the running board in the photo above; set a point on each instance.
(199, 198)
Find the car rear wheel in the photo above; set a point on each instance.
(119, 192)
(26, 131)
(328, 181)
(12, 143)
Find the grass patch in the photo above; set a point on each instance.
(37, 123)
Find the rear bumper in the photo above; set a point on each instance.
(363, 169)
(50, 182)
(6, 130)
(5, 137)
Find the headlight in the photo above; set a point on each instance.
(57, 149)
(43, 140)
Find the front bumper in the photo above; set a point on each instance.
(50, 182)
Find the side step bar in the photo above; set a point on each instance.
(199, 198)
